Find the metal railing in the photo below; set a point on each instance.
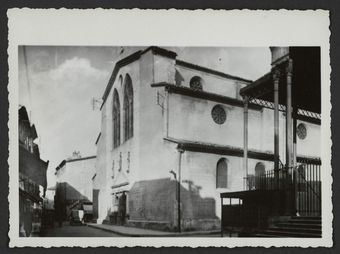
(294, 191)
(269, 180)
(308, 189)
(304, 180)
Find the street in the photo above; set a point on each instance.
(77, 231)
(86, 231)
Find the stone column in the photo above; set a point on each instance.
(245, 139)
(289, 121)
(289, 184)
(276, 78)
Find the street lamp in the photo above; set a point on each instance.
(178, 187)
(174, 174)
(180, 151)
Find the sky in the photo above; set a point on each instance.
(57, 85)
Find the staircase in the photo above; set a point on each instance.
(304, 226)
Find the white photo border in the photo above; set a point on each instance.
(221, 28)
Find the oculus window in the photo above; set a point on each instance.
(218, 114)
(301, 131)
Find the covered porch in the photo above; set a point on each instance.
(292, 187)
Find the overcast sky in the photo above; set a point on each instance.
(57, 84)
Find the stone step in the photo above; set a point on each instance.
(296, 230)
(282, 233)
(304, 221)
(264, 235)
(299, 225)
(307, 217)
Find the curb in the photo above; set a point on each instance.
(191, 233)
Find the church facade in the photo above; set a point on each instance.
(172, 140)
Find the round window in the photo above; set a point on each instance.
(196, 83)
(218, 114)
(301, 131)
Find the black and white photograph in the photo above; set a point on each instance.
(154, 141)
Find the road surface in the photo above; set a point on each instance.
(77, 231)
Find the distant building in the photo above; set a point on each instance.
(74, 184)
(165, 120)
(32, 177)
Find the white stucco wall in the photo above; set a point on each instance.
(212, 83)
(182, 118)
(200, 169)
(190, 119)
(109, 171)
(78, 174)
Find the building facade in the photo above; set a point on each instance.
(32, 177)
(166, 121)
(74, 184)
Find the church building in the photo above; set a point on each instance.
(172, 140)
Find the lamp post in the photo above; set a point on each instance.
(178, 187)
(180, 151)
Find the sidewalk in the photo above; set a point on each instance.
(140, 232)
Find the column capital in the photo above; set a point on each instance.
(289, 67)
(245, 98)
(276, 74)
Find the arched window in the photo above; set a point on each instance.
(260, 178)
(128, 108)
(196, 83)
(120, 81)
(222, 174)
(116, 119)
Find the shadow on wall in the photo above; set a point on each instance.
(193, 205)
(67, 198)
(155, 201)
(95, 200)
(72, 193)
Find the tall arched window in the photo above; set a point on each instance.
(222, 173)
(128, 108)
(116, 119)
(260, 178)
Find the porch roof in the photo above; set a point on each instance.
(306, 81)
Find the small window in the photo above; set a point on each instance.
(120, 81)
(218, 114)
(222, 174)
(196, 83)
(301, 131)
(260, 177)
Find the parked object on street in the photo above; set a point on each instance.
(76, 217)
(88, 211)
